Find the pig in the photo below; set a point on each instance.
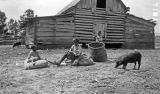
(133, 57)
(18, 44)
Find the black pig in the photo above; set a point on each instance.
(129, 58)
(18, 44)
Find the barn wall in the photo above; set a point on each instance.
(111, 5)
(115, 6)
(139, 34)
(55, 31)
(45, 30)
(85, 25)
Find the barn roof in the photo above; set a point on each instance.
(70, 5)
(140, 18)
(75, 2)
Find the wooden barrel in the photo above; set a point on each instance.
(98, 52)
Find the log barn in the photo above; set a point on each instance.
(84, 18)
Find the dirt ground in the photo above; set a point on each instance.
(101, 78)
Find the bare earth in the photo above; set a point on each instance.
(101, 78)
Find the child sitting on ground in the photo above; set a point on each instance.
(34, 60)
(73, 54)
(33, 55)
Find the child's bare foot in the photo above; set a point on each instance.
(57, 63)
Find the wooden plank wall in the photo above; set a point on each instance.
(84, 25)
(46, 29)
(55, 31)
(85, 22)
(139, 35)
(64, 30)
(115, 25)
(115, 6)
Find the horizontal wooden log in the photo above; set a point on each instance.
(54, 34)
(84, 32)
(84, 21)
(54, 38)
(65, 23)
(64, 30)
(115, 31)
(105, 41)
(82, 35)
(47, 21)
(84, 17)
(115, 37)
(84, 24)
(45, 34)
(64, 19)
(83, 11)
(137, 28)
(114, 40)
(108, 24)
(115, 19)
(45, 29)
(83, 29)
(115, 34)
(116, 26)
(64, 27)
(45, 26)
(115, 22)
(40, 30)
(55, 42)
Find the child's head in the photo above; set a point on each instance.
(33, 47)
(75, 41)
(99, 33)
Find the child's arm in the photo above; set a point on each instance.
(29, 55)
(71, 49)
(38, 56)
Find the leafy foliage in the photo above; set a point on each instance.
(2, 22)
(29, 13)
(13, 26)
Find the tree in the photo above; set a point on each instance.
(13, 26)
(27, 14)
(2, 22)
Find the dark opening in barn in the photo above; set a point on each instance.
(114, 45)
(101, 3)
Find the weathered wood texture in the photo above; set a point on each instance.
(84, 19)
(139, 34)
(85, 25)
(111, 5)
(55, 31)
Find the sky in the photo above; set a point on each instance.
(14, 8)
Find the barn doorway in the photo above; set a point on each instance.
(99, 26)
(101, 3)
(114, 45)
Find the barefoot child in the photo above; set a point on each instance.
(73, 54)
(34, 60)
(99, 37)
